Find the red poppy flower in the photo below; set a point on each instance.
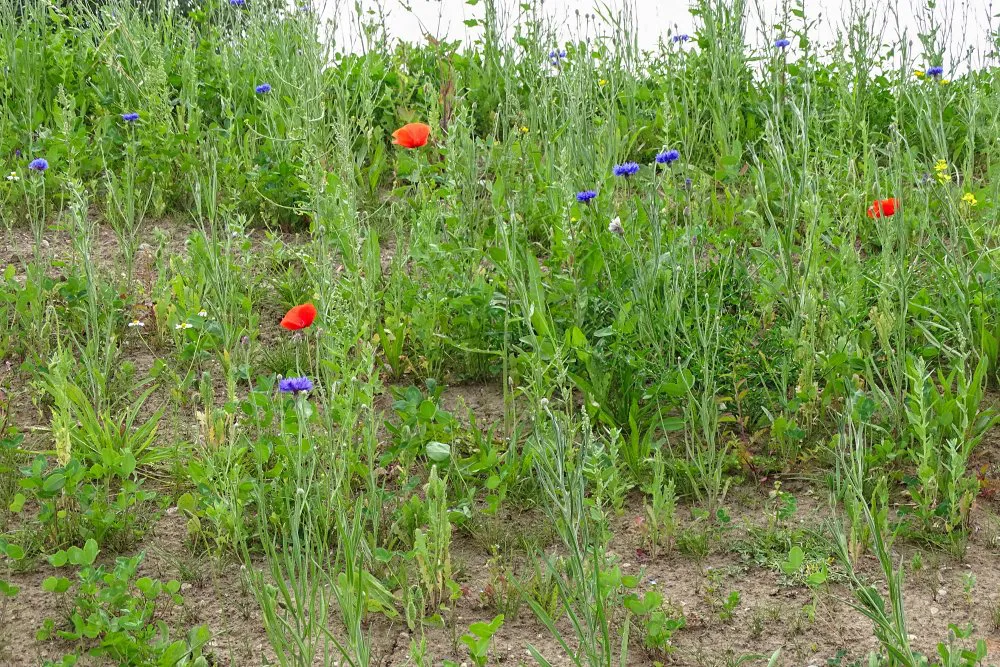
(299, 317)
(883, 208)
(412, 135)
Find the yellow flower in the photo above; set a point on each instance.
(941, 169)
(969, 199)
(524, 129)
(602, 82)
(944, 81)
(919, 73)
(573, 219)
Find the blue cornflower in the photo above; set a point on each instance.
(626, 169)
(556, 55)
(680, 38)
(783, 42)
(585, 196)
(130, 117)
(294, 385)
(263, 89)
(38, 164)
(687, 183)
(935, 71)
(17, 152)
(666, 157)
(238, 3)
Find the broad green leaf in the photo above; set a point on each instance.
(90, 550)
(56, 584)
(187, 503)
(17, 504)
(438, 451)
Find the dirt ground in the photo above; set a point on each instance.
(771, 615)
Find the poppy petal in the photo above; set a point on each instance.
(412, 135)
(882, 208)
(299, 317)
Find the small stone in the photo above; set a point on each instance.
(934, 611)
(941, 594)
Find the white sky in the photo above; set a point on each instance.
(965, 23)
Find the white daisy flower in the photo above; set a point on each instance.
(202, 313)
(135, 323)
(182, 326)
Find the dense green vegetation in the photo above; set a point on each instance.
(678, 273)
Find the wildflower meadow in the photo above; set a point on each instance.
(533, 347)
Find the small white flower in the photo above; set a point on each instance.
(616, 226)
(183, 325)
(135, 323)
(13, 176)
(202, 313)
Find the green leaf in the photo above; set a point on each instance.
(75, 555)
(14, 552)
(630, 580)
(8, 589)
(58, 559)
(796, 557)
(149, 588)
(56, 584)
(673, 424)
(90, 550)
(17, 504)
(438, 451)
(187, 503)
(54, 482)
(817, 578)
(198, 637)
(427, 410)
(127, 464)
(173, 654)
